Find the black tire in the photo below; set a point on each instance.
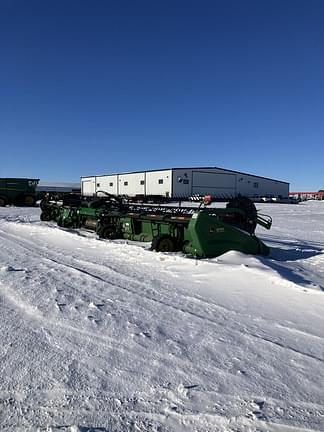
(45, 217)
(106, 231)
(245, 204)
(164, 243)
(59, 221)
(29, 200)
(3, 201)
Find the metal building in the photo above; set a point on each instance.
(185, 182)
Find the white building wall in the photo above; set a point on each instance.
(159, 182)
(214, 183)
(203, 181)
(182, 182)
(218, 182)
(254, 186)
(88, 186)
(107, 183)
(131, 184)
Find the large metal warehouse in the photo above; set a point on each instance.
(184, 182)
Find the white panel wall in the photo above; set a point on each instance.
(184, 182)
(131, 184)
(88, 186)
(188, 182)
(257, 186)
(107, 183)
(214, 183)
(159, 182)
(218, 182)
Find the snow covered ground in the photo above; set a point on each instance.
(109, 336)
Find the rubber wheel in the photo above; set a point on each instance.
(60, 222)
(244, 203)
(29, 200)
(163, 243)
(3, 201)
(106, 232)
(45, 217)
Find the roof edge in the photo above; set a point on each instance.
(188, 168)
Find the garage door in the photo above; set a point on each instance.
(213, 183)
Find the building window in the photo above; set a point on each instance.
(111, 184)
(125, 183)
(142, 182)
(160, 181)
(256, 184)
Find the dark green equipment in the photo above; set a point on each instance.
(200, 232)
(18, 191)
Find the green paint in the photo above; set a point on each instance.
(202, 233)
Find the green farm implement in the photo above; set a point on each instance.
(200, 232)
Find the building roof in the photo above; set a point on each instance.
(187, 168)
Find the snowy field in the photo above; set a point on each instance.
(109, 336)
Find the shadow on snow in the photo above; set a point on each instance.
(282, 260)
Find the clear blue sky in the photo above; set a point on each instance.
(92, 87)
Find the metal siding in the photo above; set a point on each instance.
(152, 182)
(214, 183)
(197, 183)
(88, 186)
(207, 181)
(134, 187)
(179, 186)
(225, 171)
(246, 186)
(104, 184)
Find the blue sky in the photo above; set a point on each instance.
(92, 87)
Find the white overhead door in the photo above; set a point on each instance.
(204, 182)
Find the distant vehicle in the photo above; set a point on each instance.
(18, 191)
(275, 199)
(267, 198)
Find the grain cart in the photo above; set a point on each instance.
(200, 232)
(18, 191)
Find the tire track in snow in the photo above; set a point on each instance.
(34, 314)
(91, 269)
(141, 351)
(116, 276)
(252, 412)
(227, 319)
